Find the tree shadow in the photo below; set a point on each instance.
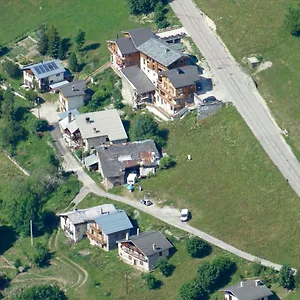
(92, 46)
(8, 237)
(4, 50)
(20, 112)
(4, 283)
(51, 221)
(66, 44)
(126, 125)
(172, 251)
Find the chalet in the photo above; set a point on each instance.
(144, 249)
(105, 230)
(247, 290)
(116, 162)
(73, 95)
(44, 74)
(74, 223)
(176, 88)
(94, 129)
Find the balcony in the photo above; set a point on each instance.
(96, 239)
(134, 253)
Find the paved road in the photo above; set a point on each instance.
(240, 89)
(166, 214)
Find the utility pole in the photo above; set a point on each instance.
(31, 233)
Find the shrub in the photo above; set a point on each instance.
(31, 95)
(292, 20)
(43, 292)
(167, 162)
(40, 256)
(198, 248)
(17, 263)
(41, 125)
(191, 291)
(164, 267)
(152, 282)
(257, 268)
(11, 69)
(286, 277)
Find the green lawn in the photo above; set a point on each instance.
(256, 27)
(231, 187)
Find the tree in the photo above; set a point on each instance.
(53, 42)
(286, 277)
(80, 40)
(11, 69)
(196, 247)
(159, 15)
(142, 6)
(41, 125)
(31, 95)
(73, 63)
(44, 41)
(143, 127)
(164, 267)
(167, 162)
(191, 291)
(7, 106)
(61, 51)
(152, 282)
(40, 255)
(43, 292)
(292, 19)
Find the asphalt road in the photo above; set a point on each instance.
(240, 90)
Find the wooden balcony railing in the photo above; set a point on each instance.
(134, 253)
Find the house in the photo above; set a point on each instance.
(96, 128)
(144, 249)
(44, 74)
(74, 223)
(73, 95)
(116, 162)
(247, 290)
(105, 230)
(176, 88)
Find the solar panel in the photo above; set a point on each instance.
(42, 69)
(50, 66)
(38, 70)
(54, 65)
(46, 68)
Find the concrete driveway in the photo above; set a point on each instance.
(48, 111)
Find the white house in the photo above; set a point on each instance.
(43, 74)
(73, 95)
(247, 290)
(74, 223)
(144, 249)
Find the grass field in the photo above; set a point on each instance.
(256, 27)
(231, 187)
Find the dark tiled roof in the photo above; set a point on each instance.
(140, 35)
(184, 76)
(74, 88)
(126, 45)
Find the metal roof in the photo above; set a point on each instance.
(160, 51)
(249, 290)
(126, 45)
(80, 216)
(145, 241)
(56, 85)
(101, 123)
(140, 35)
(138, 79)
(91, 160)
(183, 76)
(74, 88)
(65, 114)
(114, 222)
(46, 68)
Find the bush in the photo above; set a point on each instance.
(43, 292)
(41, 125)
(257, 268)
(152, 282)
(198, 248)
(142, 6)
(292, 20)
(286, 277)
(167, 162)
(164, 267)
(191, 291)
(31, 95)
(17, 263)
(40, 256)
(11, 69)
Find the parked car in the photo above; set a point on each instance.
(209, 99)
(146, 202)
(184, 215)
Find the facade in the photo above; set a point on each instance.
(74, 223)
(144, 249)
(43, 74)
(73, 95)
(247, 290)
(106, 230)
(116, 162)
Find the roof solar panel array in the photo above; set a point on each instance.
(41, 69)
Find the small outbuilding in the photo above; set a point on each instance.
(253, 62)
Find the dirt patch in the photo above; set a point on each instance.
(263, 66)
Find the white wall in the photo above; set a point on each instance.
(151, 74)
(78, 231)
(160, 102)
(28, 77)
(55, 78)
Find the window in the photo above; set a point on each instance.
(107, 139)
(130, 258)
(141, 263)
(57, 75)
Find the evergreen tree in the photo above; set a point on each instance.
(43, 43)
(80, 40)
(53, 42)
(73, 63)
(159, 16)
(61, 51)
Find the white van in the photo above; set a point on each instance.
(131, 178)
(184, 215)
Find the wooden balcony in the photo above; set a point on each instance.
(134, 253)
(68, 230)
(93, 227)
(99, 241)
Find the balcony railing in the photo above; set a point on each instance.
(134, 253)
(99, 241)
(66, 228)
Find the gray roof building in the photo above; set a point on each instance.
(46, 68)
(114, 159)
(126, 45)
(183, 76)
(140, 35)
(114, 222)
(160, 51)
(79, 216)
(64, 114)
(146, 240)
(138, 79)
(101, 123)
(248, 290)
(73, 89)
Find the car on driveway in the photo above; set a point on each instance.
(209, 99)
(146, 202)
(184, 215)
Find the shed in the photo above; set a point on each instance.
(253, 62)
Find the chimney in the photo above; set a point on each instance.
(242, 283)
(154, 247)
(69, 117)
(75, 209)
(137, 231)
(101, 211)
(167, 50)
(127, 236)
(87, 120)
(73, 87)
